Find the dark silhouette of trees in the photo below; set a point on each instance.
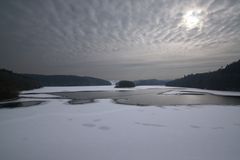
(227, 78)
(67, 80)
(150, 82)
(124, 84)
(11, 83)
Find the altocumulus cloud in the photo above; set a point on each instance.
(118, 39)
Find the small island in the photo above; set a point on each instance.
(125, 84)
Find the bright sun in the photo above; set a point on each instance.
(193, 19)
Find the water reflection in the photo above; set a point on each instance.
(12, 105)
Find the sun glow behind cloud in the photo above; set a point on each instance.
(193, 18)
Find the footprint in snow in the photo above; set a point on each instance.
(194, 126)
(90, 125)
(105, 128)
(97, 120)
(217, 128)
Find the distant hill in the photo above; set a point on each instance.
(11, 83)
(67, 80)
(15, 81)
(150, 82)
(227, 78)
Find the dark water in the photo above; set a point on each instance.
(81, 101)
(147, 97)
(19, 104)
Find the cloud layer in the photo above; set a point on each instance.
(115, 39)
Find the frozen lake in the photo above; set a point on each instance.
(151, 97)
(105, 129)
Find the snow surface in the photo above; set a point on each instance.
(56, 130)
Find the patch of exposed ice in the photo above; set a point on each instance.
(221, 93)
(39, 95)
(86, 88)
(193, 90)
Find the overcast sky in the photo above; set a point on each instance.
(119, 39)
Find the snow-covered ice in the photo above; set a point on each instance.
(86, 88)
(173, 90)
(56, 130)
